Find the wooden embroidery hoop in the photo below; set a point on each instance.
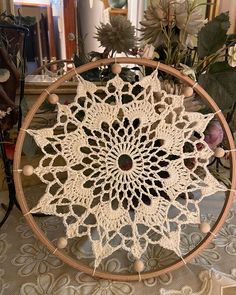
(39, 233)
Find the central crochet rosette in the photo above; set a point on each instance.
(120, 164)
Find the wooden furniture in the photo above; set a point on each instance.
(70, 16)
(212, 9)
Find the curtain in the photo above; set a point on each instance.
(7, 5)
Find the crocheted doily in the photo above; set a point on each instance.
(120, 163)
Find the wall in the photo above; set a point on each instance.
(135, 13)
(89, 19)
(230, 5)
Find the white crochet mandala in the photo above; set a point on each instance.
(120, 163)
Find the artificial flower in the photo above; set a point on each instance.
(188, 18)
(116, 36)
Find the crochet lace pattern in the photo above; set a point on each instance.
(120, 164)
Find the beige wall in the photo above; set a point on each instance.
(90, 18)
(229, 5)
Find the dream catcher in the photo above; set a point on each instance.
(125, 166)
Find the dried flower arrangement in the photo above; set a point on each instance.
(171, 27)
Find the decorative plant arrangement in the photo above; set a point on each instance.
(173, 26)
(169, 26)
(176, 33)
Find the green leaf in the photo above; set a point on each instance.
(218, 67)
(220, 84)
(213, 35)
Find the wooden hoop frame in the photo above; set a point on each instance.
(39, 233)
